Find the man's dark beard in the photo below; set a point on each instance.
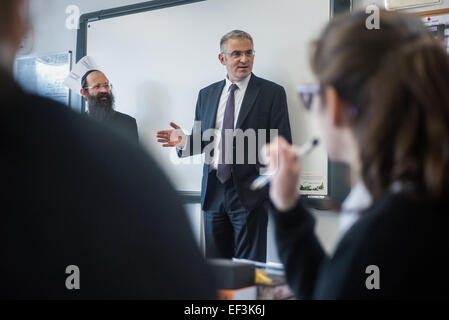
(101, 109)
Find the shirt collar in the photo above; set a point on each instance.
(241, 84)
(358, 199)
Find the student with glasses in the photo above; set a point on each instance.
(97, 90)
(382, 106)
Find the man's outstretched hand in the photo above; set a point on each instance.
(173, 137)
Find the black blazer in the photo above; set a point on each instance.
(77, 194)
(405, 239)
(264, 107)
(123, 124)
(126, 124)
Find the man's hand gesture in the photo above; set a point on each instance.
(173, 137)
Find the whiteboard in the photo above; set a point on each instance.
(158, 61)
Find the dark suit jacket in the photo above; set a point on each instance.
(123, 124)
(405, 239)
(264, 107)
(77, 194)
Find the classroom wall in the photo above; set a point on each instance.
(49, 22)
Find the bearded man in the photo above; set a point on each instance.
(97, 90)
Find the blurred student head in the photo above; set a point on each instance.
(384, 102)
(13, 27)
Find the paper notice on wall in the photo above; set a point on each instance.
(313, 184)
(73, 81)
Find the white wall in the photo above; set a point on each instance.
(49, 22)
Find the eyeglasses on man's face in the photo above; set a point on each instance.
(307, 92)
(237, 54)
(107, 86)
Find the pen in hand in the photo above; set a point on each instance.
(262, 181)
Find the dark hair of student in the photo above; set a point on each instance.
(6, 19)
(395, 80)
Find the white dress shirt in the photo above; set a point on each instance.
(358, 200)
(239, 94)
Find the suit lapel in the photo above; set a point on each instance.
(213, 107)
(248, 101)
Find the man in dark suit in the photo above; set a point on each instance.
(237, 110)
(97, 90)
(82, 212)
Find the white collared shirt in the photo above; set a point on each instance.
(358, 200)
(239, 94)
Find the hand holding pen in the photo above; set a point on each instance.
(284, 172)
